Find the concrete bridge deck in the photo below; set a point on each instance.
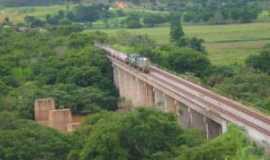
(196, 106)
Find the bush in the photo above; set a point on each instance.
(217, 74)
(224, 147)
(151, 20)
(183, 60)
(25, 140)
(248, 86)
(133, 21)
(89, 13)
(136, 135)
(260, 62)
(34, 21)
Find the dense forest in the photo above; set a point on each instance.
(50, 64)
(125, 136)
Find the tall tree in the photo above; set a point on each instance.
(176, 32)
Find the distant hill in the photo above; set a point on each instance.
(15, 3)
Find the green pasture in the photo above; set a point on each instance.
(226, 44)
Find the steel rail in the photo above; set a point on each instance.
(218, 98)
(205, 93)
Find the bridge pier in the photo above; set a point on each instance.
(184, 115)
(130, 88)
(198, 121)
(133, 89)
(189, 118)
(159, 100)
(149, 95)
(121, 85)
(213, 128)
(115, 76)
(170, 105)
(192, 119)
(141, 94)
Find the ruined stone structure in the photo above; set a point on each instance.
(195, 106)
(42, 108)
(60, 119)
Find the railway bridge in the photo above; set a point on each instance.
(195, 106)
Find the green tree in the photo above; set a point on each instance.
(260, 62)
(151, 20)
(225, 147)
(248, 86)
(133, 21)
(142, 134)
(24, 140)
(183, 60)
(33, 21)
(176, 32)
(90, 13)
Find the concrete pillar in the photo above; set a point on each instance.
(120, 81)
(198, 121)
(115, 76)
(125, 84)
(128, 84)
(149, 95)
(42, 108)
(184, 115)
(224, 126)
(144, 94)
(160, 101)
(133, 89)
(140, 93)
(170, 105)
(214, 129)
(59, 119)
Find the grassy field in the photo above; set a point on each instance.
(17, 14)
(226, 44)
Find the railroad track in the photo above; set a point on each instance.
(230, 110)
(215, 96)
(221, 104)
